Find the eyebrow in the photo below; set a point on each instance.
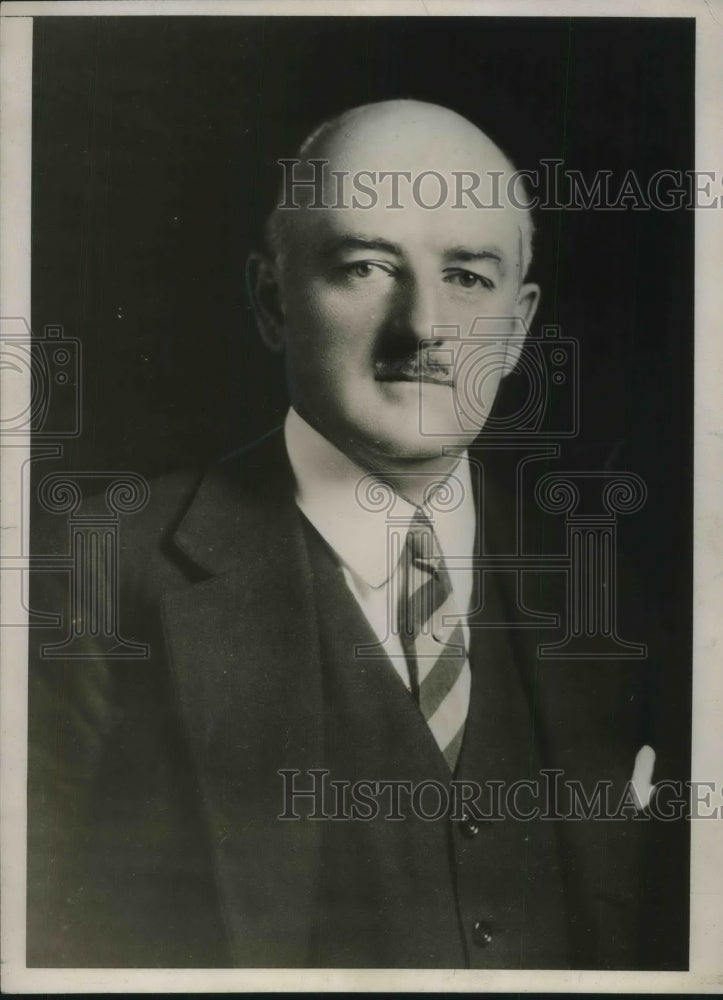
(465, 254)
(360, 243)
(458, 253)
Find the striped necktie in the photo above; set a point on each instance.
(435, 652)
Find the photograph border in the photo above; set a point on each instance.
(706, 929)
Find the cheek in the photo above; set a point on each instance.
(489, 314)
(502, 301)
(327, 354)
(333, 326)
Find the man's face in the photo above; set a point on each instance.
(381, 311)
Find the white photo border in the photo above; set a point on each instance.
(706, 931)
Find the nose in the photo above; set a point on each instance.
(416, 310)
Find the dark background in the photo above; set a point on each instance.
(155, 141)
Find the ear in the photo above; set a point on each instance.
(264, 291)
(528, 299)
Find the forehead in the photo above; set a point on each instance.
(418, 177)
(412, 228)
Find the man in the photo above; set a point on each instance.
(314, 616)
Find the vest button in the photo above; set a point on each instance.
(482, 934)
(468, 825)
(469, 828)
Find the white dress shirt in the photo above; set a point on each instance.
(327, 484)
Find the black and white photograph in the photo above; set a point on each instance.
(357, 574)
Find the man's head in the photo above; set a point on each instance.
(379, 282)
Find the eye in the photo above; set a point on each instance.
(468, 279)
(361, 269)
(368, 269)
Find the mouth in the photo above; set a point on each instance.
(410, 370)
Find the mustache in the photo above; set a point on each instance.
(417, 367)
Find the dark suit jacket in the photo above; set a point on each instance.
(153, 838)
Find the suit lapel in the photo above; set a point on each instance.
(249, 691)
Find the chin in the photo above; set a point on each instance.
(420, 449)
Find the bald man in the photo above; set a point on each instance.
(304, 772)
(350, 294)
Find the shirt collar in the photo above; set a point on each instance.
(328, 490)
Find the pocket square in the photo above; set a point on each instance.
(642, 779)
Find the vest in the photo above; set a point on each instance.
(411, 879)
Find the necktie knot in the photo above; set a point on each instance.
(422, 542)
(424, 551)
